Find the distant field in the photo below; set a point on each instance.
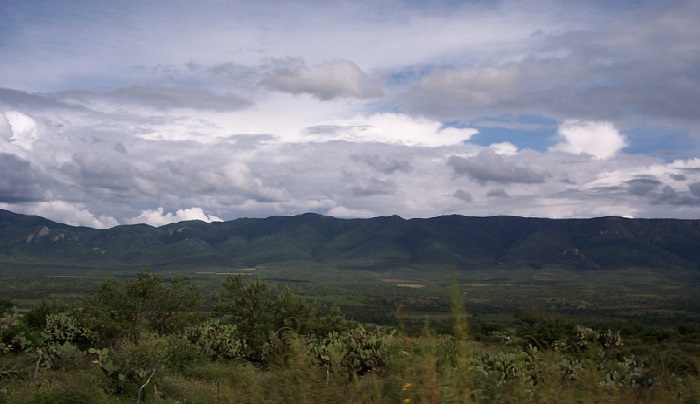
(492, 294)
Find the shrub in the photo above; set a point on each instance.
(355, 352)
(138, 363)
(262, 315)
(216, 340)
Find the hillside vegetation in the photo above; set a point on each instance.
(378, 244)
(148, 339)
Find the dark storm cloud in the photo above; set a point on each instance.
(463, 195)
(490, 166)
(669, 196)
(695, 189)
(19, 182)
(642, 187)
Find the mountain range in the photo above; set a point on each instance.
(459, 242)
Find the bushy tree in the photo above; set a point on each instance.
(146, 303)
(263, 314)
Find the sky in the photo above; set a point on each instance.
(161, 111)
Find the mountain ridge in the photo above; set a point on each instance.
(384, 242)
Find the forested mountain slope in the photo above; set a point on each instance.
(377, 243)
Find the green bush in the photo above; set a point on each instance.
(138, 363)
(355, 352)
(182, 353)
(216, 340)
(262, 315)
(311, 354)
(147, 303)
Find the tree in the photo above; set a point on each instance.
(263, 314)
(146, 303)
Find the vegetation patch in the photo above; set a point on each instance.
(153, 339)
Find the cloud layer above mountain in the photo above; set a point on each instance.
(162, 111)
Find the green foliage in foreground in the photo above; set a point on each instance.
(269, 345)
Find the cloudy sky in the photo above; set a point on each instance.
(159, 111)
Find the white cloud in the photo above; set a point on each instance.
(599, 139)
(504, 148)
(343, 212)
(74, 214)
(326, 81)
(393, 128)
(23, 129)
(281, 116)
(158, 217)
(233, 175)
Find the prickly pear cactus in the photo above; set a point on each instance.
(216, 340)
(356, 351)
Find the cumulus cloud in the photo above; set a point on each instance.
(599, 139)
(23, 129)
(505, 148)
(394, 128)
(491, 166)
(232, 177)
(158, 217)
(74, 214)
(341, 78)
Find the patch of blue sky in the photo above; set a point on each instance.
(662, 142)
(408, 75)
(524, 131)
